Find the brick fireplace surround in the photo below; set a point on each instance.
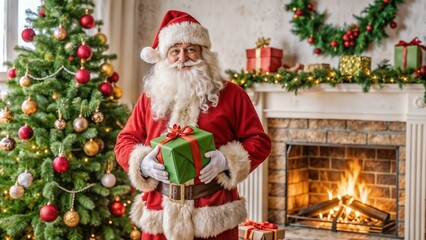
(343, 115)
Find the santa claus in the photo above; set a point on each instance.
(185, 87)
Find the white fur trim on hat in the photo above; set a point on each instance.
(150, 55)
(184, 32)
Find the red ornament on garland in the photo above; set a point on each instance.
(299, 12)
(25, 133)
(87, 21)
(310, 6)
(28, 34)
(11, 73)
(114, 77)
(317, 51)
(48, 213)
(369, 28)
(60, 164)
(333, 43)
(84, 51)
(393, 24)
(82, 76)
(106, 89)
(311, 40)
(117, 208)
(42, 13)
(386, 1)
(71, 58)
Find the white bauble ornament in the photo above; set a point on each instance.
(16, 191)
(108, 180)
(25, 179)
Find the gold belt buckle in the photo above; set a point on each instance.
(182, 192)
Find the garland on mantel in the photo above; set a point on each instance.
(350, 39)
(293, 81)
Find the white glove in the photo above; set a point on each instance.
(216, 165)
(151, 168)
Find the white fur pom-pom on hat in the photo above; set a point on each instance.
(150, 55)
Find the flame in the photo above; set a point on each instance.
(351, 185)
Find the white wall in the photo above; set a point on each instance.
(237, 24)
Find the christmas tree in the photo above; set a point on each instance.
(59, 122)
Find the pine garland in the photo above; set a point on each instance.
(346, 40)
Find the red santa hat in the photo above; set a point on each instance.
(176, 27)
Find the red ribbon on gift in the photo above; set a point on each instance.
(415, 42)
(266, 226)
(184, 133)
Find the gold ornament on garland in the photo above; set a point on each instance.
(71, 218)
(117, 92)
(102, 37)
(97, 116)
(106, 69)
(5, 115)
(29, 106)
(25, 81)
(60, 33)
(347, 40)
(91, 148)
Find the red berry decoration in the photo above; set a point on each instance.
(28, 34)
(386, 1)
(317, 51)
(11, 73)
(48, 213)
(393, 24)
(114, 77)
(299, 12)
(422, 70)
(87, 21)
(106, 89)
(84, 51)
(60, 164)
(71, 58)
(369, 28)
(310, 6)
(117, 208)
(82, 76)
(333, 43)
(311, 40)
(25, 133)
(42, 13)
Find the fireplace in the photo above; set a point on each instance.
(344, 116)
(351, 188)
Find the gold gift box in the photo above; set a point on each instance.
(352, 64)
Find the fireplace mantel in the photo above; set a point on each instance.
(348, 101)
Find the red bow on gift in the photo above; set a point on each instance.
(415, 42)
(176, 131)
(259, 226)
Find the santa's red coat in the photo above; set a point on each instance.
(238, 134)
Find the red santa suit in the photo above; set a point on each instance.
(238, 134)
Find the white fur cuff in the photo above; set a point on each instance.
(135, 176)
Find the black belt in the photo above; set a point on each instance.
(180, 193)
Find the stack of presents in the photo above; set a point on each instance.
(265, 59)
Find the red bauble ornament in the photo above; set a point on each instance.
(386, 1)
(317, 51)
(84, 51)
(345, 37)
(347, 44)
(299, 12)
(71, 58)
(422, 70)
(311, 40)
(25, 133)
(393, 24)
(82, 76)
(87, 21)
(117, 208)
(114, 77)
(48, 213)
(369, 28)
(28, 34)
(60, 164)
(333, 43)
(106, 89)
(310, 6)
(11, 73)
(42, 13)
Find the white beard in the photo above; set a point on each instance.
(177, 94)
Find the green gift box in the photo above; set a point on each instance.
(179, 152)
(406, 57)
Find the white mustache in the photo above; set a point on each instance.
(189, 63)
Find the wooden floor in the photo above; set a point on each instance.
(297, 233)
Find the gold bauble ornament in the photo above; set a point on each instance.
(7, 143)
(100, 143)
(91, 148)
(5, 115)
(71, 218)
(60, 124)
(80, 124)
(135, 234)
(97, 117)
(25, 81)
(106, 69)
(60, 33)
(118, 93)
(102, 38)
(29, 106)
(55, 96)
(16, 191)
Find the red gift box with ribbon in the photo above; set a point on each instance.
(264, 59)
(182, 152)
(408, 54)
(250, 230)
